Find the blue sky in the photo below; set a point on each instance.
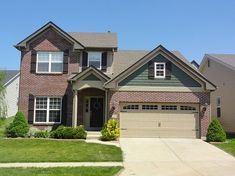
(192, 27)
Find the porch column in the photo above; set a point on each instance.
(75, 108)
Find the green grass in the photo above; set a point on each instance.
(43, 150)
(61, 171)
(4, 124)
(229, 146)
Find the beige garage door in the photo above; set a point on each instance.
(159, 120)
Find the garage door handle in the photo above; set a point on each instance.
(123, 128)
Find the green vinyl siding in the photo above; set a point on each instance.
(178, 77)
(91, 77)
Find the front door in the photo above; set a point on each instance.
(96, 112)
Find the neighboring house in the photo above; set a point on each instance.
(11, 85)
(82, 78)
(220, 69)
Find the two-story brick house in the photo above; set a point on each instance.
(82, 78)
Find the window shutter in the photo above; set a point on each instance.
(64, 110)
(104, 61)
(30, 109)
(151, 70)
(65, 62)
(168, 70)
(33, 61)
(84, 60)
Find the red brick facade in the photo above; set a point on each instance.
(115, 98)
(46, 84)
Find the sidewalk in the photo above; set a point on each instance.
(62, 164)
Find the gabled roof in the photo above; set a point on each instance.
(96, 39)
(228, 60)
(176, 56)
(91, 68)
(194, 63)
(10, 75)
(77, 44)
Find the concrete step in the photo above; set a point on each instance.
(93, 134)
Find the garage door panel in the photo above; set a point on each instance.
(159, 124)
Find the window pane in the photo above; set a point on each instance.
(57, 56)
(41, 103)
(43, 57)
(94, 59)
(54, 116)
(95, 64)
(55, 103)
(160, 66)
(56, 67)
(40, 116)
(160, 73)
(43, 67)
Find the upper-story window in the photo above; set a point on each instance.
(49, 62)
(94, 58)
(218, 107)
(159, 70)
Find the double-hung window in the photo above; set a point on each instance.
(49, 62)
(47, 110)
(159, 70)
(94, 59)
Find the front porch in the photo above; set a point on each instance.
(89, 99)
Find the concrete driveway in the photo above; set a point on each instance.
(176, 157)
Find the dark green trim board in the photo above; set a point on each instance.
(178, 77)
(91, 77)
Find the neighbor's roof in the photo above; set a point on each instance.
(125, 58)
(9, 75)
(96, 39)
(226, 59)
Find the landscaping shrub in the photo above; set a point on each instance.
(19, 127)
(110, 130)
(41, 134)
(215, 132)
(32, 131)
(63, 132)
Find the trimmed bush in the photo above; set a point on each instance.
(63, 132)
(19, 127)
(215, 132)
(41, 134)
(110, 130)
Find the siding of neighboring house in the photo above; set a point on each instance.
(223, 78)
(201, 98)
(11, 96)
(178, 77)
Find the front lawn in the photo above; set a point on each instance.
(4, 124)
(229, 146)
(61, 171)
(47, 150)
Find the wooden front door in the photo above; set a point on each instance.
(96, 112)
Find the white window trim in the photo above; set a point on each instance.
(50, 62)
(88, 60)
(155, 70)
(48, 110)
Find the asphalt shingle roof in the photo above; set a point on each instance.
(96, 39)
(9, 74)
(226, 59)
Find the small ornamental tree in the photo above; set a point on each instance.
(215, 132)
(19, 127)
(110, 130)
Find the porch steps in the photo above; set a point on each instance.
(93, 134)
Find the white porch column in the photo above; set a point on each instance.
(75, 108)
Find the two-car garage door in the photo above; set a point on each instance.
(159, 120)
